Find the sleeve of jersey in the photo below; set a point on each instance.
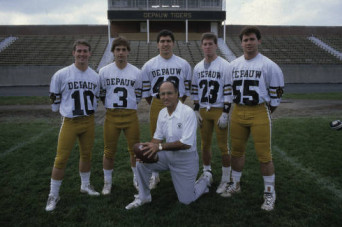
(190, 127)
(55, 93)
(194, 88)
(227, 87)
(276, 87)
(146, 83)
(138, 88)
(187, 79)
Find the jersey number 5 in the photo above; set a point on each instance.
(250, 97)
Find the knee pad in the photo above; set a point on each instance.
(85, 156)
(109, 153)
(238, 154)
(60, 162)
(264, 157)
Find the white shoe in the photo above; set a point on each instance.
(153, 182)
(231, 189)
(51, 203)
(269, 201)
(207, 176)
(90, 190)
(135, 182)
(223, 185)
(107, 188)
(137, 202)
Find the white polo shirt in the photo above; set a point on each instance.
(180, 126)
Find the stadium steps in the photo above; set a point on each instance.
(6, 41)
(326, 47)
(226, 52)
(107, 57)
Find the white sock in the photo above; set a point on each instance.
(269, 183)
(236, 176)
(55, 185)
(85, 178)
(155, 174)
(107, 175)
(207, 168)
(225, 174)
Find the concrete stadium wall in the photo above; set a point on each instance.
(312, 73)
(27, 75)
(41, 75)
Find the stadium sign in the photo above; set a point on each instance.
(166, 15)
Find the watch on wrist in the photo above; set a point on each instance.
(160, 147)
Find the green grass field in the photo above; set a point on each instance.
(307, 156)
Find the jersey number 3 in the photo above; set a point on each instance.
(122, 97)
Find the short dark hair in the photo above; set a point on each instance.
(165, 32)
(81, 42)
(120, 41)
(250, 30)
(209, 35)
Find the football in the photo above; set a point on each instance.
(337, 125)
(139, 153)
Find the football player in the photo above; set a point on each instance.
(257, 89)
(121, 89)
(164, 66)
(211, 88)
(74, 91)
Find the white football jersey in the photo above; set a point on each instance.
(79, 91)
(121, 87)
(159, 69)
(211, 86)
(256, 81)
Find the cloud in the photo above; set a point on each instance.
(284, 12)
(257, 12)
(53, 12)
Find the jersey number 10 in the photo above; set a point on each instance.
(78, 111)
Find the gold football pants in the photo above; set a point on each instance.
(255, 120)
(118, 120)
(156, 106)
(209, 124)
(81, 128)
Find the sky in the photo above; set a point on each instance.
(240, 12)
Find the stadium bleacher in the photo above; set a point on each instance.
(41, 50)
(288, 49)
(54, 50)
(49, 50)
(141, 51)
